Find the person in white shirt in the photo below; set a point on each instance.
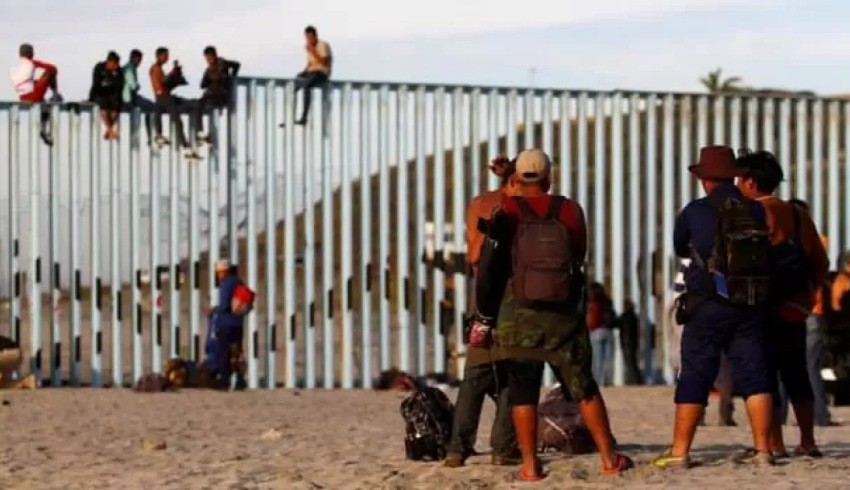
(317, 71)
(31, 89)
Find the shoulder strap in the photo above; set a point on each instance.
(524, 208)
(796, 214)
(554, 210)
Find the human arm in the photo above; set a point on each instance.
(818, 261)
(130, 79)
(233, 68)
(225, 295)
(157, 80)
(681, 235)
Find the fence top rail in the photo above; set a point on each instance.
(86, 106)
(538, 91)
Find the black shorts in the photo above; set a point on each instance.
(525, 378)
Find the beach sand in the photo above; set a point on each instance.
(88, 438)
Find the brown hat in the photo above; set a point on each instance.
(716, 163)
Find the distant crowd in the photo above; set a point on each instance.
(115, 88)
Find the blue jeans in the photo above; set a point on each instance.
(602, 342)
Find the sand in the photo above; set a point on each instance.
(89, 438)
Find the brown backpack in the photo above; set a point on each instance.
(542, 256)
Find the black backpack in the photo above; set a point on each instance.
(740, 257)
(428, 416)
(790, 268)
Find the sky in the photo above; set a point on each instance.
(661, 45)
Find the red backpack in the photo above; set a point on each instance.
(542, 255)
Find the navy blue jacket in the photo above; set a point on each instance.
(697, 226)
(224, 315)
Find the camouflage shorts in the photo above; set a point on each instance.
(561, 336)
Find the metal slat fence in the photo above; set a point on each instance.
(351, 228)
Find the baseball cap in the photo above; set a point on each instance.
(532, 165)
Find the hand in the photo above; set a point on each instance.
(480, 334)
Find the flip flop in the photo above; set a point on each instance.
(522, 477)
(621, 463)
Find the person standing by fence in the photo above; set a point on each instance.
(530, 278)
(32, 90)
(723, 309)
(482, 373)
(599, 316)
(800, 265)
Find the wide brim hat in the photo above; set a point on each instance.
(716, 163)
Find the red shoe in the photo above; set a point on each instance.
(621, 463)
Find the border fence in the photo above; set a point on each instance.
(109, 248)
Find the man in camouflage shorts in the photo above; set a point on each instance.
(529, 336)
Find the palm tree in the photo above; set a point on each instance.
(715, 84)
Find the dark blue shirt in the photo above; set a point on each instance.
(225, 316)
(697, 226)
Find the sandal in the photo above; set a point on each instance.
(523, 477)
(666, 460)
(621, 463)
(813, 452)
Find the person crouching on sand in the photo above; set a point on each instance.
(11, 357)
(537, 308)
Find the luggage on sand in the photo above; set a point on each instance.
(428, 416)
(560, 427)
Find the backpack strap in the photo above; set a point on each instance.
(554, 210)
(525, 210)
(796, 215)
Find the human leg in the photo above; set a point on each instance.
(524, 380)
(791, 359)
(502, 434)
(699, 366)
(747, 350)
(311, 81)
(814, 362)
(470, 399)
(598, 339)
(724, 387)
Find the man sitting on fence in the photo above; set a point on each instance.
(217, 84)
(106, 91)
(166, 102)
(32, 90)
(131, 98)
(317, 71)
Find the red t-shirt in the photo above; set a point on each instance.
(570, 214)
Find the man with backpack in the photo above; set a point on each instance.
(800, 264)
(530, 277)
(725, 235)
(483, 375)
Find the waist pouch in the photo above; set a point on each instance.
(686, 307)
